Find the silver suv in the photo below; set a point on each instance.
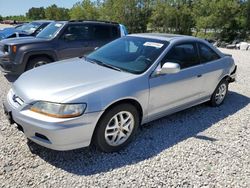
(104, 97)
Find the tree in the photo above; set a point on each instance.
(56, 13)
(172, 16)
(221, 16)
(36, 13)
(247, 13)
(85, 10)
(133, 13)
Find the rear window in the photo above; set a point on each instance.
(207, 54)
(105, 32)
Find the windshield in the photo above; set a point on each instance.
(30, 27)
(131, 54)
(50, 31)
(2, 36)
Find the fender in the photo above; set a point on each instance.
(50, 53)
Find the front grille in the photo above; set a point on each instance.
(14, 99)
(17, 100)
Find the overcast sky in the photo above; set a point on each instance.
(17, 7)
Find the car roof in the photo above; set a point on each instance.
(43, 21)
(90, 21)
(164, 36)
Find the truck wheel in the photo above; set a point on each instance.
(36, 62)
(116, 128)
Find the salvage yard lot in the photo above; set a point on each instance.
(201, 146)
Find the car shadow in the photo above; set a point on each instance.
(152, 139)
(11, 77)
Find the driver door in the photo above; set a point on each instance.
(74, 41)
(171, 91)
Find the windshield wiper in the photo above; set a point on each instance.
(95, 61)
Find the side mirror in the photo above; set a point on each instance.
(68, 37)
(170, 68)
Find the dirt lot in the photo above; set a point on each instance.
(198, 147)
(2, 26)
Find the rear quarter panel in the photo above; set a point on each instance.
(215, 71)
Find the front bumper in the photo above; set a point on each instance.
(233, 74)
(53, 133)
(8, 66)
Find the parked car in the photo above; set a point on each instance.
(24, 30)
(103, 98)
(60, 40)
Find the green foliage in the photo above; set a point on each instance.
(84, 10)
(56, 13)
(1, 18)
(247, 14)
(224, 19)
(36, 13)
(172, 17)
(21, 18)
(132, 13)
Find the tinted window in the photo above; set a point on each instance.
(207, 54)
(101, 32)
(184, 54)
(131, 54)
(78, 32)
(115, 32)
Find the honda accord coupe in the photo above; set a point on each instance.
(102, 98)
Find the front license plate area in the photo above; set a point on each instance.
(8, 115)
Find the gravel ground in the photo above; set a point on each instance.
(198, 147)
(2, 26)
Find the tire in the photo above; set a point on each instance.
(219, 94)
(36, 62)
(111, 135)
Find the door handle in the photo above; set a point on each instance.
(199, 75)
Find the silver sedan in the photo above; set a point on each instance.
(103, 98)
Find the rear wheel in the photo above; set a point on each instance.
(36, 62)
(219, 93)
(116, 128)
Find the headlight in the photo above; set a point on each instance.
(58, 110)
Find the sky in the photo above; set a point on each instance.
(20, 7)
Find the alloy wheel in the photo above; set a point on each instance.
(119, 128)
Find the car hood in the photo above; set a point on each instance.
(22, 40)
(58, 82)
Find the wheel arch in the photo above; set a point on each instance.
(32, 55)
(134, 102)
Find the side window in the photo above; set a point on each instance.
(101, 32)
(115, 32)
(207, 54)
(184, 54)
(77, 32)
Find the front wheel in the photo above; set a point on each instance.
(116, 128)
(37, 62)
(219, 93)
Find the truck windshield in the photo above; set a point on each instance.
(50, 31)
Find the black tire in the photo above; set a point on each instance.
(99, 138)
(38, 61)
(214, 99)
